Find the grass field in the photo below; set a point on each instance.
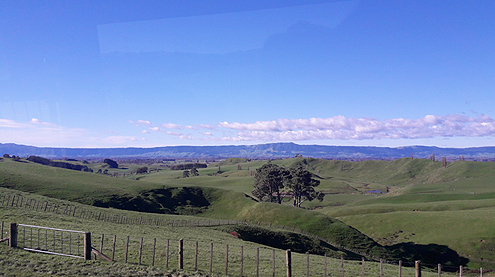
(427, 204)
(16, 262)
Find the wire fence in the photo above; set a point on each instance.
(238, 261)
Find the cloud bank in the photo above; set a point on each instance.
(39, 133)
(337, 128)
(343, 128)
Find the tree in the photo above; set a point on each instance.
(111, 163)
(269, 182)
(194, 172)
(142, 170)
(185, 173)
(301, 185)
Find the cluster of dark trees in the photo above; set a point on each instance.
(44, 161)
(190, 173)
(111, 163)
(272, 183)
(14, 157)
(188, 166)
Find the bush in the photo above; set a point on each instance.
(142, 170)
(188, 166)
(111, 163)
(44, 161)
(185, 174)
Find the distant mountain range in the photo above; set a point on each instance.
(270, 150)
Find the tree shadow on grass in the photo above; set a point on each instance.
(430, 255)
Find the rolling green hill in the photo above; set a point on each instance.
(145, 196)
(427, 206)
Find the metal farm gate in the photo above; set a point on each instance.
(70, 243)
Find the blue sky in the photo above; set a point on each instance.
(158, 73)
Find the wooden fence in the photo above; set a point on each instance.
(13, 200)
(204, 256)
(232, 258)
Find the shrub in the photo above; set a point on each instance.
(111, 163)
(188, 166)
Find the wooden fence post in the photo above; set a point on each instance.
(417, 266)
(481, 272)
(101, 243)
(166, 256)
(439, 270)
(13, 235)
(227, 260)
(307, 264)
(242, 259)
(126, 249)
(273, 262)
(211, 258)
(181, 254)
(288, 258)
(140, 250)
(460, 271)
(154, 250)
(400, 268)
(113, 247)
(196, 257)
(257, 262)
(381, 267)
(87, 246)
(1, 235)
(362, 266)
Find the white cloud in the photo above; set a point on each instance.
(172, 126)
(337, 128)
(177, 126)
(156, 129)
(48, 134)
(342, 128)
(144, 122)
(140, 122)
(7, 123)
(206, 126)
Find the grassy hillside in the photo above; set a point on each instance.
(427, 205)
(449, 206)
(145, 196)
(16, 262)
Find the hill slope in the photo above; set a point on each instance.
(105, 191)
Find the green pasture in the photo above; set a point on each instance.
(469, 232)
(449, 206)
(16, 262)
(88, 188)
